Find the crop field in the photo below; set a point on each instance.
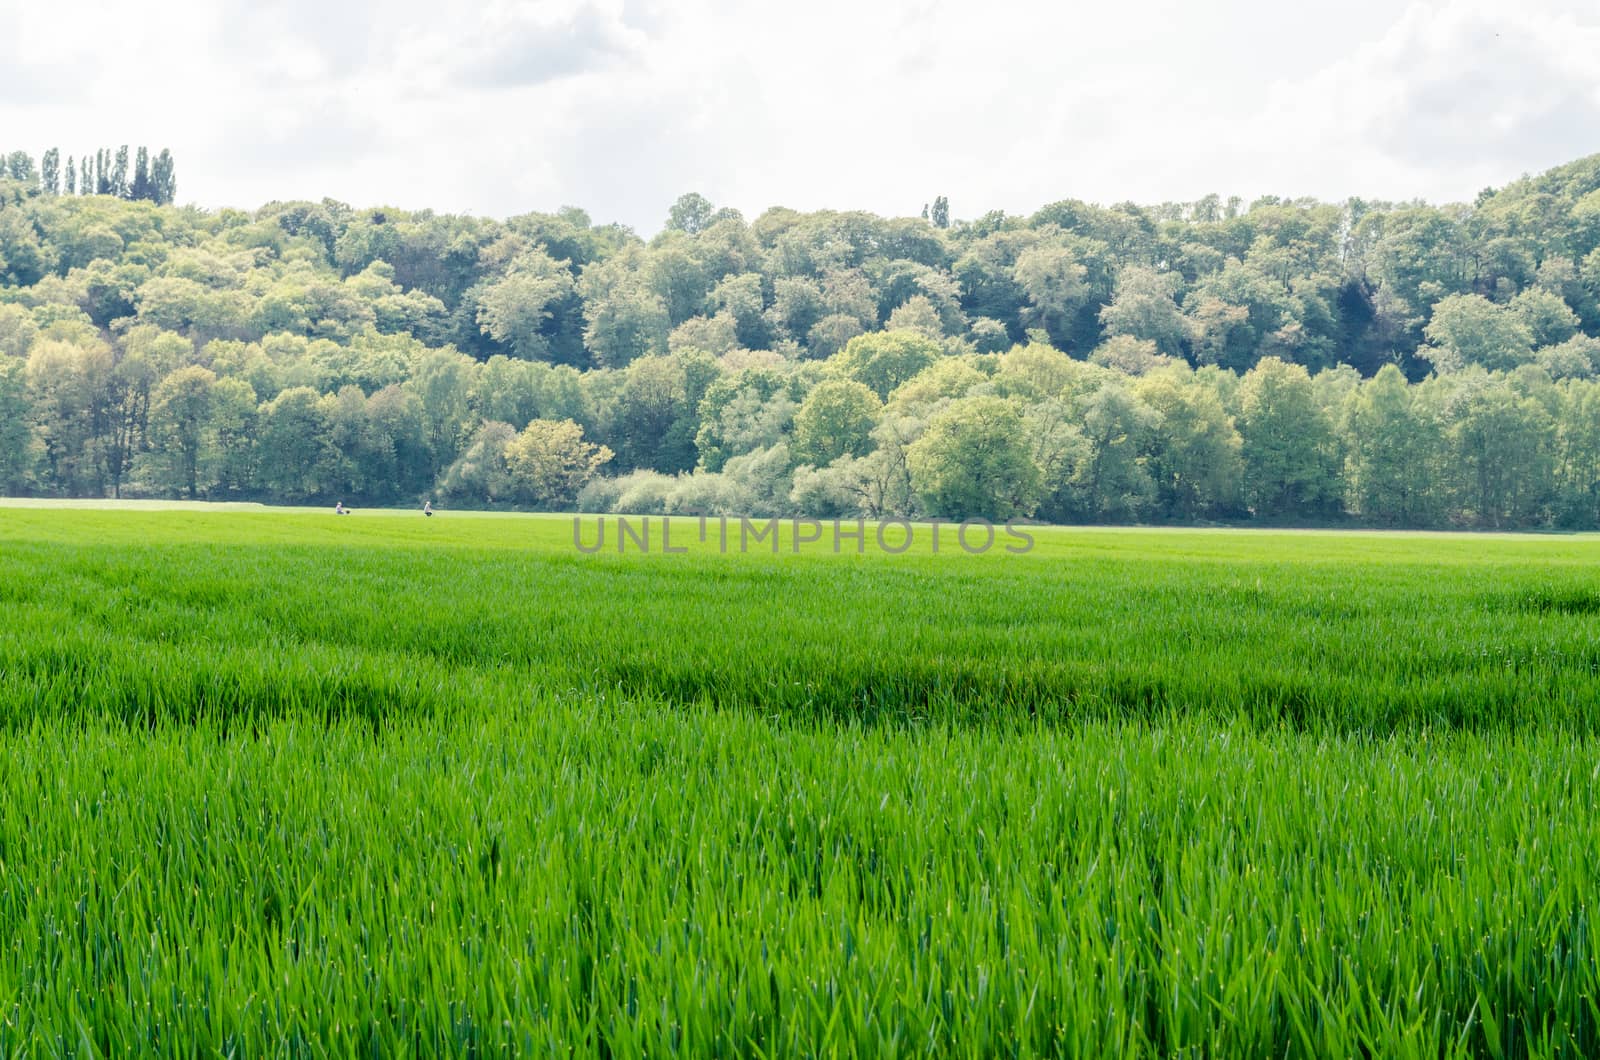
(280, 783)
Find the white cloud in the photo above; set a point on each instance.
(1454, 96)
(620, 105)
(532, 43)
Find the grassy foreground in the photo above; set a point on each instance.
(279, 783)
(178, 615)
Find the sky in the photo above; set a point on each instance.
(618, 106)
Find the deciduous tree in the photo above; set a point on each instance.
(549, 462)
(973, 462)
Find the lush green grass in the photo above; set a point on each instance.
(178, 615)
(285, 783)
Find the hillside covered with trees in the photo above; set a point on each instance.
(1277, 361)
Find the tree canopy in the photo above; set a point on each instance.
(1394, 363)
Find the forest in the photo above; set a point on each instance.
(1283, 361)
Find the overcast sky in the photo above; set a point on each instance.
(618, 106)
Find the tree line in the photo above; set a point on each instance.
(1398, 364)
(150, 178)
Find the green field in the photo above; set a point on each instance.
(283, 783)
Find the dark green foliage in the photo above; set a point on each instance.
(50, 172)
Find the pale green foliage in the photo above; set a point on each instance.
(293, 442)
(674, 271)
(836, 490)
(764, 476)
(414, 328)
(917, 314)
(1130, 356)
(1144, 308)
(626, 319)
(989, 336)
(182, 409)
(549, 462)
(1113, 478)
(1502, 452)
(833, 333)
(1394, 451)
(1052, 279)
(884, 360)
(442, 381)
(1576, 358)
(1547, 317)
(715, 335)
(516, 308)
(974, 461)
(1194, 458)
(624, 493)
(17, 331)
(835, 420)
(692, 213)
(17, 451)
(481, 473)
(1058, 448)
(1038, 372)
(1287, 441)
(876, 485)
(744, 412)
(1471, 330)
(740, 296)
(718, 493)
(948, 377)
(643, 493)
